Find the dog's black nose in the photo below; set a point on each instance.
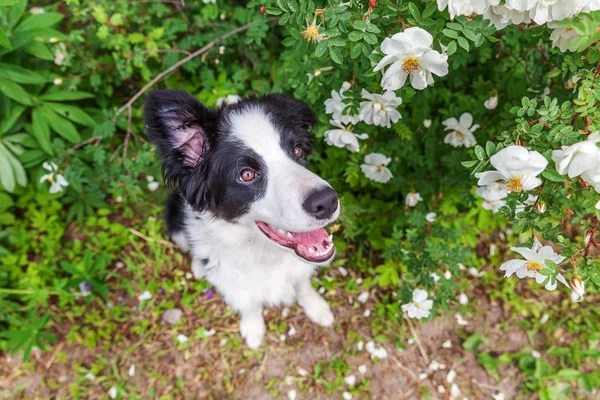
(321, 203)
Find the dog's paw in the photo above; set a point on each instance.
(253, 331)
(197, 268)
(318, 311)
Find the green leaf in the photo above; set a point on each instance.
(469, 164)
(273, 11)
(450, 33)
(430, 9)
(292, 5)
(7, 177)
(462, 42)
(335, 55)
(61, 126)
(355, 51)
(473, 342)
(569, 374)
(360, 25)
(337, 41)
(370, 38)
(9, 121)
(45, 20)
(480, 153)
(490, 149)
(73, 113)
(41, 130)
(414, 10)
(553, 175)
(20, 74)
(284, 18)
(4, 40)
(66, 96)
(7, 3)
(355, 36)
(14, 91)
(18, 169)
(321, 48)
(451, 48)
(455, 26)
(39, 50)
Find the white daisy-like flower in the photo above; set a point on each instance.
(343, 136)
(36, 10)
(535, 261)
(464, 7)
(578, 158)
(502, 16)
(461, 131)
(430, 217)
(57, 181)
(516, 167)
(375, 167)
(409, 53)
(227, 100)
(491, 103)
(380, 109)
(412, 198)
(60, 54)
(335, 106)
(562, 37)
(419, 307)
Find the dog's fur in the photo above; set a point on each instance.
(213, 213)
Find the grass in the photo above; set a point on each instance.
(99, 340)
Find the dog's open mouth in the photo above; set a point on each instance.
(314, 246)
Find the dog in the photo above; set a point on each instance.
(244, 204)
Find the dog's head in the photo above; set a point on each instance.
(246, 163)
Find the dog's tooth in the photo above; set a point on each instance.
(330, 238)
(312, 249)
(289, 235)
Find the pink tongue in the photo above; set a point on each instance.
(313, 238)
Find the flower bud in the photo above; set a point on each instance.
(346, 85)
(541, 206)
(578, 286)
(318, 72)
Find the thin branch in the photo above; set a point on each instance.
(164, 51)
(417, 340)
(180, 63)
(128, 133)
(149, 239)
(88, 141)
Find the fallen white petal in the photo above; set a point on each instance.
(536, 354)
(302, 372)
(223, 342)
(172, 316)
(112, 392)
(209, 332)
(90, 376)
(292, 394)
(343, 271)
(363, 297)
(285, 312)
(131, 371)
(360, 345)
(367, 313)
(347, 396)
(145, 296)
(463, 299)
(282, 337)
(292, 331)
(423, 375)
(350, 380)
(451, 376)
(362, 369)
(447, 344)
(454, 390)
(181, 338)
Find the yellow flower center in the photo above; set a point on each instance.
(411, 64)
(311, 33)
(514, 185)
(459, 134)
(379, 167)
(534, 266)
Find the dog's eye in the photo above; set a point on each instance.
(298, 151)
(247, 175)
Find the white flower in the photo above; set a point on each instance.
(335, 106)
(60, 53)
(447, 344)
(131, 371)
(152, 186)
(380, 109)
(463, 299)
(430, 217)
(181, 338)
(362, 369)
(451, 376)
(420, 307)
(578, 158)
(347, 396)
(427, 123)
(491, 103)
(36, 10)
(435, 277)
(464, 7)
(461, 131)
(363, 297)
(209, 332)
(57, 181)
(517, 167)
(360, 345)
(562, 37)
(412, 198)
(367, 313)
(502, 16)
(145, 296)
(112, 392)
(410, 54)
(228, 100)
(460, 320)
(90, 376)
(536, 354)
(375, 168)
(542, 11)
(209, 1)
(375, 351)
(350, 380)
(292, 331)
(343, 137)
(578, 287)
(571, 83)
(454, 391)
(57, 81)
(598, 205)
(534, 263)
(292, 394)
(493, 196)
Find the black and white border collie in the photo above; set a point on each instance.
(244, 204)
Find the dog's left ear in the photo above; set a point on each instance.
(296, 110)
(181, 127)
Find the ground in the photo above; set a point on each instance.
(99, 342)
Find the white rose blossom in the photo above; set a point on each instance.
(380, 109)
(60, 54)
(516, 167)
(493, 196)
(430, 217)
(412, 199)
(335, 106)
(534, 263)
(419, 307)
(491, 103)
(57, 181)
(562, 37)
(409, 53)
(578, 158)
(375, 168)
(343, 137)
(461, 131)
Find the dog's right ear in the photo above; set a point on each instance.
(180, 126)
